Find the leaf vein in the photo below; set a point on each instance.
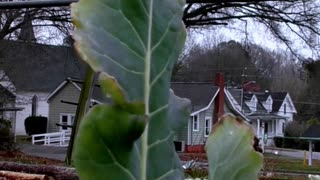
(161, 140)
(167, 174)
(122, 43)
(116, 162)
(144, 8)
(159, 75)
(128, 21)
(165, 33)
(116, 63)
(137, 149)
(134, 30)
(159, 110)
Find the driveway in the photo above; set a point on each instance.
(292, 152)
(58, 153)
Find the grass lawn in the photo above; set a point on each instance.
(23, 139)
(284, 163)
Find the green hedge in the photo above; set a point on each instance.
(5, 127)
(282, 142)
(6, 138)
(35, 125)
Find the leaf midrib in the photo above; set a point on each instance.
(144, 144)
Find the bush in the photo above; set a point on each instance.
(6, 138)
(283, 142)
(5, 127)
(35, 125)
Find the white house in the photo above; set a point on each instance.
(36, 70)
(269, 112)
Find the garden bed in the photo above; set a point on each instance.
(11, 162)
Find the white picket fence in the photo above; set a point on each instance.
(52, 139)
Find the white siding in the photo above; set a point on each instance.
(24, 100)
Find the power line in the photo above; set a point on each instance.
(35, 4)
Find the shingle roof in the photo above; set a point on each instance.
(6, 93)
(262, 96)
(36, 67)
(237, 94)
(200, 94)
(278, 98)
(96, 93)
(247, 96)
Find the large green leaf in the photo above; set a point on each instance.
(230, 151)
(134, 43)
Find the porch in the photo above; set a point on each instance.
(267, 127)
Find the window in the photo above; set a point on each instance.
(254, 103)
(195, 123)
(283, 127)
(285, 108)
(269, 104)
(66, 119)
(207, 126)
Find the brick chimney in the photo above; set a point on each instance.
(219, 100)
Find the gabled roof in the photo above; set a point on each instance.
(96, 92)
(262, 96)
(37, 67)
(233, 108)
(237, 94)
(247, 96)
(278, 98)
(8, 94)
(200, 94)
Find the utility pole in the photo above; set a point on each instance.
(243, 75)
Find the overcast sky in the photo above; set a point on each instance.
(257, 34)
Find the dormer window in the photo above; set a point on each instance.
(269, 104)
(254, 103)
(284, 108)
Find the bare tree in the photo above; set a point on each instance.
(49, 22)
(284, 19)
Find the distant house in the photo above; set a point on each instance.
(266, 112)
(8, 107)
(269, 112)
(62, 109)
(35, 70)
(63, 103)
(203, 97)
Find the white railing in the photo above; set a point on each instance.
(52, 139)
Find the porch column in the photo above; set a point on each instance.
(274, 129)
(262, 136)
(258, 128)
(310, 154)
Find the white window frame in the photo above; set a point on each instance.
(193, 122)
(284, 108)
(69, 120)
(269, 104)
(205, 126)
